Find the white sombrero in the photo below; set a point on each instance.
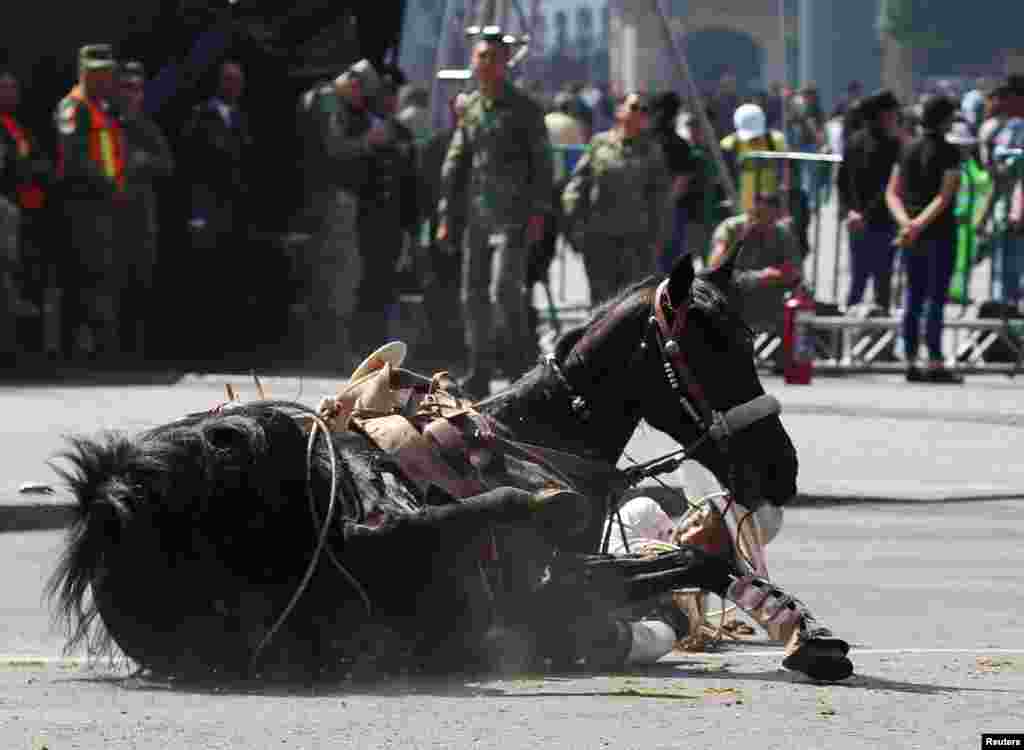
(392, 353)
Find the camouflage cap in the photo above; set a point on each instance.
(96, 57)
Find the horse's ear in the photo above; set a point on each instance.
(681, 279)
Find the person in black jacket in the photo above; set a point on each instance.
(217, 146)
(921, 195)
(867, 164)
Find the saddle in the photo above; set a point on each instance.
(436, 436)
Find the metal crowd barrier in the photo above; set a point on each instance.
(849, 343)
(843, 342)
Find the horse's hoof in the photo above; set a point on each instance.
(821, 659)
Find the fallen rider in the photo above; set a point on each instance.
(722, 527)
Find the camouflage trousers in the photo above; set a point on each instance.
(494, 263)
(613, 262)
(333, 271)
(98, 280)
(333, 264)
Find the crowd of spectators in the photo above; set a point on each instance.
(629, 182)
(931, 187)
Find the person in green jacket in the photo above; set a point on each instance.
(975, 185)
(618, 198)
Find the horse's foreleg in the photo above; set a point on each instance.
(810, 646)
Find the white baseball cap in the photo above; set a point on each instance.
(749, 121)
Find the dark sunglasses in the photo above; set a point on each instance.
(638, 107)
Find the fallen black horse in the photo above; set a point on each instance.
(195, 553)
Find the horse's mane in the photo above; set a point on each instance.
(569, 338)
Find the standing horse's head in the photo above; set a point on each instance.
(617, 365)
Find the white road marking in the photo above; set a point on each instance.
(31, 660)
(740, 651)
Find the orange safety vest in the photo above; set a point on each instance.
(30, 195)
(106, 144)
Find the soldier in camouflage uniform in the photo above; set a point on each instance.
(147, 158)
(617, 201)
(499, 165)
(338, 137)
(91, 174)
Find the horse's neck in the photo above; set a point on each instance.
(536, 410)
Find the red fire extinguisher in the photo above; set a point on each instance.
(797, 339)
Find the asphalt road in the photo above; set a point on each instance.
(905, 559)
(931, 600)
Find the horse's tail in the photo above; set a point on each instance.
(99, 479)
